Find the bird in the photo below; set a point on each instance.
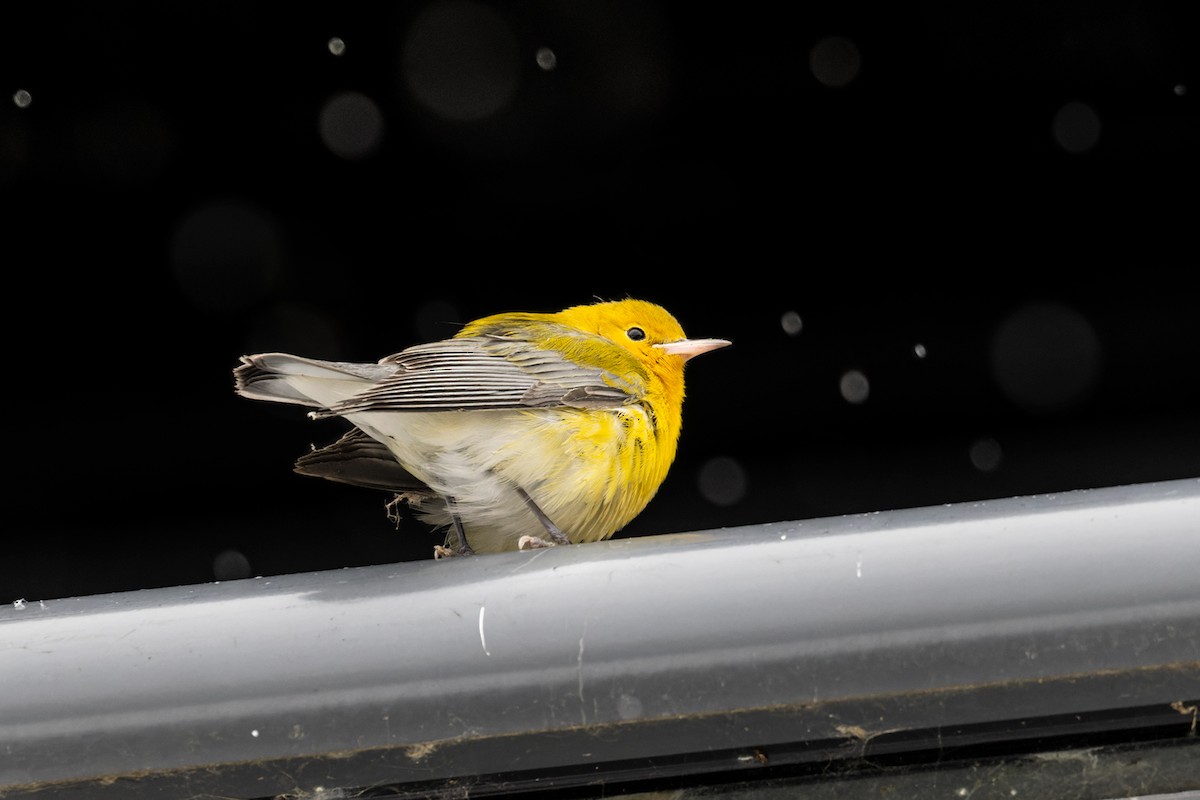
(523, 430)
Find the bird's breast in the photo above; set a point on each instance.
(590, 471)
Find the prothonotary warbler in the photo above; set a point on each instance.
(522, 430)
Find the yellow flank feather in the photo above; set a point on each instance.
(523, 430)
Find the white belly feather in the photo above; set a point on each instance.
(572, 471)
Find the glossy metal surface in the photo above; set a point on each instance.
(953, 615)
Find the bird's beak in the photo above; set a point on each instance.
(692, 347)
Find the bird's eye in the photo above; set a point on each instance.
(636, 334)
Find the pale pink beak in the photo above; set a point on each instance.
(692, 347)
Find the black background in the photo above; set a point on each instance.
(170, 204)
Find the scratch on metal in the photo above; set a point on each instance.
(482, 638)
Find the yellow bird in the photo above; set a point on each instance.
(521, 426)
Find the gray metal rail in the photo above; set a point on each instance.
(679, 654)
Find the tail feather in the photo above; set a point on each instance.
(359, 460)
(281, 377)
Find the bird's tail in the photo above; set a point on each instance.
(284, 378)
(359, 460)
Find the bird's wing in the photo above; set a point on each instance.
(489, 372)
(359, 460)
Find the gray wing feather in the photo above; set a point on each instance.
(486, 372)
(359, 460)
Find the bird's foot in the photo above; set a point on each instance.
(536, 543)
(531, 542)
(442, 551)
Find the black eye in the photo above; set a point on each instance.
(636, 334)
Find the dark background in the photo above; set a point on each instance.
(989, 214)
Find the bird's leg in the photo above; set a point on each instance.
(532, 542)
(464, 547)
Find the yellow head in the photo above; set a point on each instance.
(642, 342)
(643, 329)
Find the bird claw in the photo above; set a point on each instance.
(533, 543)
(442, 551)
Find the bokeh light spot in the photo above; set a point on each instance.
(460, 59)
(1076, 128)
(1045, 357)
(22, 98)
(351, 126)
(1180, 90)
(546, 59)
(722, 481)
(336, 46)
(791, 323)
(985, 454)
(230, 565)
(854, 387)
(919, 350)
(225, 254)
(835, 61)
